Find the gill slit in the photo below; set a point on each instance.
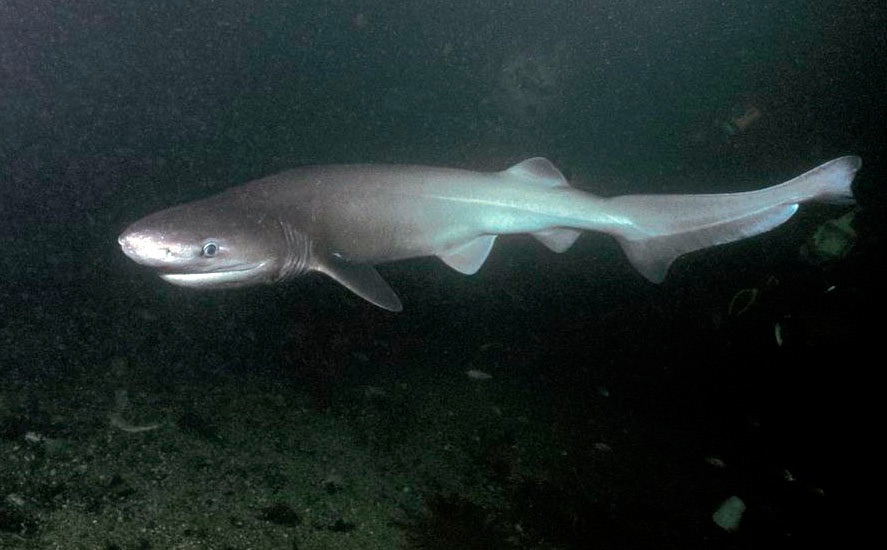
(297, 256)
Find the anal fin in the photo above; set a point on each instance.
(558, 239)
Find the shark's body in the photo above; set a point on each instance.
(341, 220)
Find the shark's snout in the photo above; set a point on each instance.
(144, 248)
(124, 241)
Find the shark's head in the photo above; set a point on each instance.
(214, 244)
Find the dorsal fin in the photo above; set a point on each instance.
(540, 170)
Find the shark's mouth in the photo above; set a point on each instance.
(230, 276)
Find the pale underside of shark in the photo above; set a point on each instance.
(341, 220)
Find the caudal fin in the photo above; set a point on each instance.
(667, 226)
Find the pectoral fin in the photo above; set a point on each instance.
(363, 280)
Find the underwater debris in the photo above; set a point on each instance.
(740, 119)
(532, 84)
(332, 483)
(192, 423)
(374, 392)
(747, 299)
(452, 521)
(729, 514)
(280, 514)
(121, 403)
(13, 427)
(742, 301)
(117, 489)
(34, 437)
(832, 241)
(16, 522)
(338, 526)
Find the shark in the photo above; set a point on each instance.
(344, 220)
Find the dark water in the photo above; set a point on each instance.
(620, 414)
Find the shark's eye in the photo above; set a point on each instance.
(210, 249)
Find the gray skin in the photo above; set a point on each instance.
(341, 220)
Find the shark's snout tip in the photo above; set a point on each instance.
(125, 240)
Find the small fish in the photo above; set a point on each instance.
(475, 374)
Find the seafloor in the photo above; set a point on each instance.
(617, 414)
